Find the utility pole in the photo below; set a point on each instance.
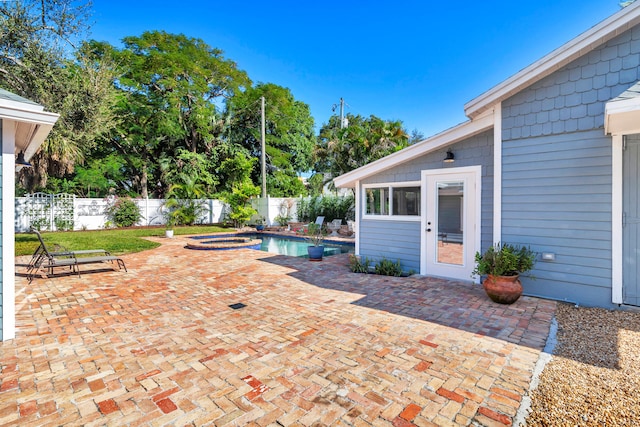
(264, 156)
(341, 113)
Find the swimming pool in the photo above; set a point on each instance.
(285, 245)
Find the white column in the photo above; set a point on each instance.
(616, 219)
(8, 233)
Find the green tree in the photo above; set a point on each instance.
(169, 87)
(289, 135)
(365, 140)
(41, 59)
(416, 136)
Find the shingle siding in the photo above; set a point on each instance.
(401, 239)
(557, 171)
(572, 99)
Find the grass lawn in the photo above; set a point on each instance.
(116, 241)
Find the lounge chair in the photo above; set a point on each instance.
(45, 259)
(319, 221)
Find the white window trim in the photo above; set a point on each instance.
(388, 216)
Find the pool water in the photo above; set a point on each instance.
(292, 246)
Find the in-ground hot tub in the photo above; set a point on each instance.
(226, 242)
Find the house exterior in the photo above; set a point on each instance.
(549, 158)
(24, 125)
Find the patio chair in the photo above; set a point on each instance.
(320, 220)
(334, 226)
(45, 259)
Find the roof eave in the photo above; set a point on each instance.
(443, 139)
(32, 126)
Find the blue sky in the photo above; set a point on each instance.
(415, 61)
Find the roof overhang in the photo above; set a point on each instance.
(611, 27)
(436, 142)
(32, 124)
(622, 117)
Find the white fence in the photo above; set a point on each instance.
(45, 212)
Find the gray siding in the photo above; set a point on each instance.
(394, 240)
(557, 171)
(556, 197)
(401, 239)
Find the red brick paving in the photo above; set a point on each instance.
(315, 345)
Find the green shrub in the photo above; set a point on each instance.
(331, 207)
(358, 264)
(123, 212)
(504, 260)
(387, 267)
(240, 211)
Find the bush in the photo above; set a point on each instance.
(331, 207)
(504, 260)
(359, 265)
(123, 211)
(387, 267)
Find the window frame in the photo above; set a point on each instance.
(388, 187)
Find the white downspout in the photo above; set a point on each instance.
(358, 199)
(497, 173)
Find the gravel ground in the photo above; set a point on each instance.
(593, 378)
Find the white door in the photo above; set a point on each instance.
(451, 230)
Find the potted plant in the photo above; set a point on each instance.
(171, 222)
(260, 224)
(503, 264)
(315, 236)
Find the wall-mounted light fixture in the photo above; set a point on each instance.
(21, 161)
(450, 157)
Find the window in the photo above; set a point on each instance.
(406, 200)
(393, 200)
(377, 201)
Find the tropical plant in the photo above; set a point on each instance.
(184, 202)
(504, 260)
(314, 234)
(240, 212)
(343, 149)
(331, 207)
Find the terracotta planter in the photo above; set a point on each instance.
(503, 289)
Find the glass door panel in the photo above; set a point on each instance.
(450, 222)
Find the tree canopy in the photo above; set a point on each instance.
(364, 140)
(41, 59)
(289, 135)
(167, 115)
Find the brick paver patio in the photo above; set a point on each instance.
(315, 345)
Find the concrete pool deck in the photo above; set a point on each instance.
(314, 345)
